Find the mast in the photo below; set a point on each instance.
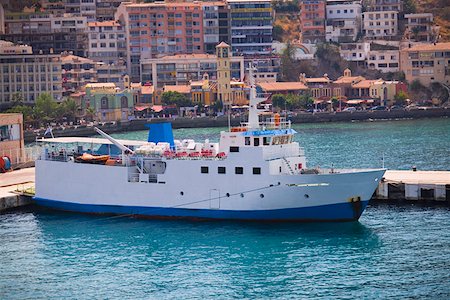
(253, 111)
(123, 148)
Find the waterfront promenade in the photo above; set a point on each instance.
(222, 121)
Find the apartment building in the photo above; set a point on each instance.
(158, 29)
(105, 9)
(379, 25)
(28, 74)
(251, 27)
(53, 7)
(343, 21)
(383, 60)
(76, 72)
(312, 16)
(420, 27)
(216, 23)
(426, 62)
(85, 8)
(384, 5)
(180, 69)
(355, 52)
(46, 32)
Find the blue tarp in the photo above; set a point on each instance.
(160, 132)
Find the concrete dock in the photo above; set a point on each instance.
(414, 185)
(11, 182)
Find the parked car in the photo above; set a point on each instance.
(350, 109)
(378, 108)
(396, 107)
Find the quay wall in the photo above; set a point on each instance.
(222, 121)
(14, 201)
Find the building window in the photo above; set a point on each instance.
(204, 170)
(239, 170)
(234, 149)
(104, 103)
(221, 170)
(257, 171)
(247, 141)
(256, 142)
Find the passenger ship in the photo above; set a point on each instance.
(255, 172)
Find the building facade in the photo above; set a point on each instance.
(312, 16)
(182, 68)
(76, 73)
(343, 22)
(420, 27)
(427, 63)
(85, 8)
(384, 5)
(379, 25)
(11, 136)
(383, 60)
(28, 74)
(251, 27)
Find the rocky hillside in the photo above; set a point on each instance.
(441, 12)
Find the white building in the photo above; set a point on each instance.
(355, 52)
(384, 60)
(343, 20)
(86, 8)
(420, 27)
(107, 47)
(68, 23)
(380, 24)
(28, 74)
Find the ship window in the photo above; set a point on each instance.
(204, 170)
(234, 149)
(256, 142)
(247, 141)
(266, 140)
(257, 171)
(221, 170)
(239, 170)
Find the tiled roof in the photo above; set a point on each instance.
(183, 89)
(429, 47)
(282, 86)
(364, 84)
(73, 58)
(349, 79)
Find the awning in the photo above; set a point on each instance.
(157, 108)
(141, 107)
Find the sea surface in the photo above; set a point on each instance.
(393, 252)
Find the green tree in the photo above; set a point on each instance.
(400, 98)
(409, 6)
(175, 98)
(289, 66)
(25, 110)
(70, 109)
(17, 99)
(306, 100)
(90, 114)
(277, 33)
(45, 108)
(279, 101)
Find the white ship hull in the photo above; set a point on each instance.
(184, 192)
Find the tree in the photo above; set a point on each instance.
(45, 108)
(17, 99)
(279, 101)
(289, 66)
(90, 114)
(305, 101)
(409, 6)
(277, 33)
(400, 98)
(70, 108)
(175, 98)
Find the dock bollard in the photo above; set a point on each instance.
(414, 168)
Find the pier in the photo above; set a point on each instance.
(16, 188)
(414, 185)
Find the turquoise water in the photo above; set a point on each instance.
(392, 253)
(403, 143)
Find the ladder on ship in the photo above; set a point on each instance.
(288, 165)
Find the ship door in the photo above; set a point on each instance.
(214, 199)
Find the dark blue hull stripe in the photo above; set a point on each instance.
(332, 212)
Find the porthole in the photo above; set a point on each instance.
(242, 195)
(261, 195)
(181, 193)
(306, 196)
(227, 194)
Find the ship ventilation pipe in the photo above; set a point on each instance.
(124, 148)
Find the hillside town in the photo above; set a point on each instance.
(109, 60)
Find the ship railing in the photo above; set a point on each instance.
(270, 124)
